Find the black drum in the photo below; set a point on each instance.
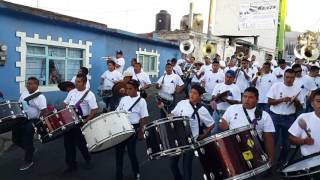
(11, 115)
(168, 137)
(306, 168)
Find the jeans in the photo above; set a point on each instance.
(131, 145)
(217, 116)
(72, 139)
(282, 123)
(187, 166)
(22, 136)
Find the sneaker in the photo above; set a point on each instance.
(26, 166)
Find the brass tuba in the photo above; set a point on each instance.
(240, 55)
(307, 47)
(208, 49)
(186, 47)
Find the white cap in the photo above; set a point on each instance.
(127, 73)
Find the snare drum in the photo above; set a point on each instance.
(168, 137)
(306, 168)
(56, 124)
(166, 98)
(11, 114)
(107, 130)
(233, 154)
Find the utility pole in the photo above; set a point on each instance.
(281, 28)
(210, 21)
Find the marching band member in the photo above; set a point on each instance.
(196, 78)
(225, 94)
(302, 64)
(199, 115)
(176, 68)
(284, 99)
(108, 79)
(169, 83)
(85, 71)
(254, 65)
(279, 71)
(120, 62)
(34, 104)
(85, 101)
(207, 65)
(240, 115)
(183, 60)
(314, 75)
(244, 75)
(212, 78)
(137, 112)
(263, 81)
(141, 77)
(231, 64)
(131, 68)
(305, 129)
(305, 83)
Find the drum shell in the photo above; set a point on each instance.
(56, 124)
(222, 154)
(107, 130)
(11, 115)
(166, 132)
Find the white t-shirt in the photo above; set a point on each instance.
(234, 94)
(121, 62)
(35, 105)
(211, 79)
(313, 126)
(317, 81)
(110, 78)
(236, 118)
(89, 102)
(130, 69)
(170, 82)
(278, 71)
(177, 70)
(194, 78)
(143, 78)
(181, 61)
(184, 108)
(305, 70)
(263, 84)
(280, 90)
(241, 81)
(306, 85)
(204, 68)
(138, 112)
(87, 84)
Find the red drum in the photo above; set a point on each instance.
(233, 154)
(11, 115)
(56, 124)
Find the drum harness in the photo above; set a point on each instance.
(258, 116)
(77, 105)
(195, 112)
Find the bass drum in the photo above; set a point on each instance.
(11, 115)
(233, 154)
(107, 130)
(168, 137)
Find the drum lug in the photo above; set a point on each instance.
(149, 151)
(41, 118)
(47, 130)
(87, 146)
(14, 116)
(76, 122)
(229, 172)
(146, 134)
(212, 176)
(60, 123)
(253, 133)
(160, 146)
(35, 130)
(205, 177)
(63, 128)
(39, 137)
(196, 154)
(83, 133)
(12, 112)
(69, 110)
(0, 121)
(172, 125)
(185, 123)
(238, 138)
(176, 142)
(189, 140)
(157, 128)
(50, 135)
(9, 105)
(249, 164)
(55, 111)
(264, 157)
(57, 115)
(202, 151)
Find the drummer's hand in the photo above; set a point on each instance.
(308, 141)
(223, 125)
(140, 135)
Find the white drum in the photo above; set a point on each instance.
(107, 130)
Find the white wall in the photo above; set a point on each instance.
(226, 22)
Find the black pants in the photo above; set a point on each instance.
(131, 145)
(72, 139)
(22, 136)
(187, 166)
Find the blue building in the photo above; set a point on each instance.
(40, 41)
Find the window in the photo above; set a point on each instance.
(51, 64)
(149, 61)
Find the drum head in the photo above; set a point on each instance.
(304, 166)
